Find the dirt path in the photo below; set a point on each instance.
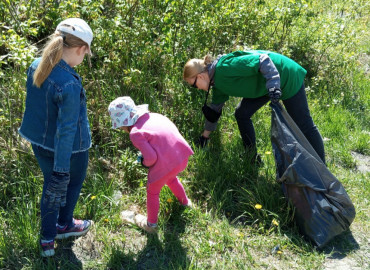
(356, 255)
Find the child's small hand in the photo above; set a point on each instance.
(140, 159)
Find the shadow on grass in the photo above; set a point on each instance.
(64, 258)
(341, 246)
(338, 248)
(157, 254)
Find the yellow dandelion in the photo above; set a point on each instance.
(279, 252)
(106, 220)
(258, 206)
(275, 222)
(169, 200)
(268, 152)
(93, 198)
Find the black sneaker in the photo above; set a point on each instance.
(47, 248)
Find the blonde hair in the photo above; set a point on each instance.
(52, 54)
(196, 66)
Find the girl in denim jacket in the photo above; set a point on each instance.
(55, 123)
(164, 151)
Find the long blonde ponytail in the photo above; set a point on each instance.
(52, 54)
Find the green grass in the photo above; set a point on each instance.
(224, 231)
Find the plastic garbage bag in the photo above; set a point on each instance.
(322, 207)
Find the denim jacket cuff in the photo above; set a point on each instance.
(61, 170)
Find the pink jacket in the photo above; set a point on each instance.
(161, 144)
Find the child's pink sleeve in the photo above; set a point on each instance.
(141, 143)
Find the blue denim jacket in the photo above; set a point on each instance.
(56, 115)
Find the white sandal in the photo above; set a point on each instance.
(142, 222)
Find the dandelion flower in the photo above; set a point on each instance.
(258, 206)
(279, 252)
(275, 222)
(268, 152)
(169, 200)
(93, 198)
(106, 220)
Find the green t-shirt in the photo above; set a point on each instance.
(237, 74)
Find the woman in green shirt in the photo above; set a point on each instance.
(256, 77)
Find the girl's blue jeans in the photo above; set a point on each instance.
(296, 106)
(63, 216)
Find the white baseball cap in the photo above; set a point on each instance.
(77, 27)
(124, 113)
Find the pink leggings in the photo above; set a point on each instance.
(153, 190)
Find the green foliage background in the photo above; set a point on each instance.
(140, 48)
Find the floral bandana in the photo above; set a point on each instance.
(124, 113)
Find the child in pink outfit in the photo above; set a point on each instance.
(164, 151)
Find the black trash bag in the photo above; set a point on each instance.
(322, 207)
